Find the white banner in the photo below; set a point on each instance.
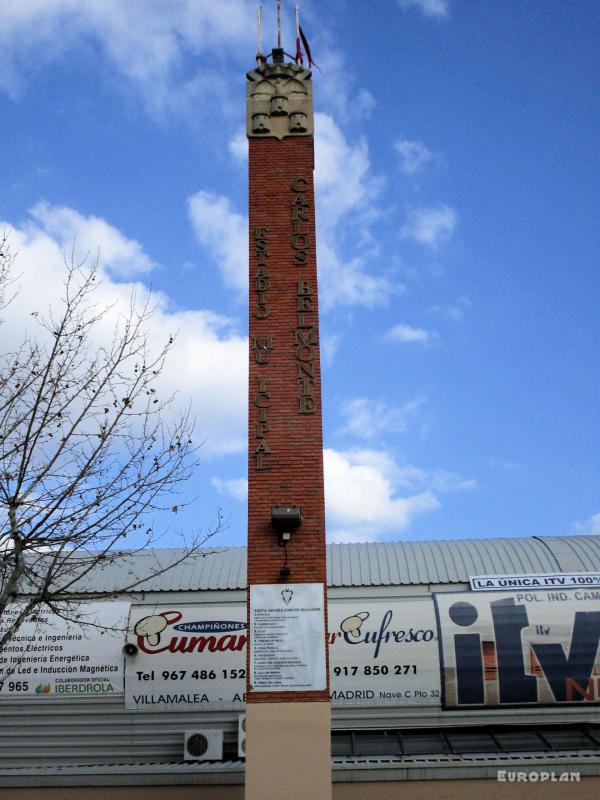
(520, 648)
(188, 657)
(384, 652)
(552, 580)
(288, 637)
(381, 652)
(54, 656)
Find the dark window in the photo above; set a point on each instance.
(520, 741)
(376, 744)
(416, 743)
(341, 745)
(463, 741)
(473, 741)
(567, 739)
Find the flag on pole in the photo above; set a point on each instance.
(311, 61)
(299, 59)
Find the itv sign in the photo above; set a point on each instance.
(519, 648)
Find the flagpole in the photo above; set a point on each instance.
(298, 51)
(259, 20)
(279, 23)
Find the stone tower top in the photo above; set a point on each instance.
(279, 99)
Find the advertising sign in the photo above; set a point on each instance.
(188, 657)
(552, 580)
(520, 648)
(381, 652)
(54, 656)
(384, 652)
(288, 637)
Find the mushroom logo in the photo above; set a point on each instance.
(353, 624)
(151, 627)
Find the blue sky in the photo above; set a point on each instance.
(457, 213)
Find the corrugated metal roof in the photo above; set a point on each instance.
(574, 553)
(448, 561)
(369, 564)
(165, 570)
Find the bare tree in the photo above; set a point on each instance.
(6, 261)
(87, 456)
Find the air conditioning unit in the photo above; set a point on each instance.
(242, 736)
(203, 745)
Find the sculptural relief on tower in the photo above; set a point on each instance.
(279, 101)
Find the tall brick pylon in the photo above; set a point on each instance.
(288, 714)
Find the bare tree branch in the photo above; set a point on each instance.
(90, 450)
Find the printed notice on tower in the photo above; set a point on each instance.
(287, 637)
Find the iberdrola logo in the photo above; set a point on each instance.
(43, 688)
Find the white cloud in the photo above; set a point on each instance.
(590, 526)
(430, 226)
(348, 283)
(368, 418)
(369, 496)
(338, 93)
(346, 191)
(361, 498)
(342, 173)
(348, 536)
(238, 146)
(437, 9)
(164, 50)
(330, 343)
(454, 312)
(204, 341)
(364, 103)
(224, 233)
(237, 488)
(408, 334)
(439, 480)
(124, 257)
(504, 464)
(345, 195)
(415, 155)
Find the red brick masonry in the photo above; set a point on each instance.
(285, 454)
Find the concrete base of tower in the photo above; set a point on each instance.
(288, 751)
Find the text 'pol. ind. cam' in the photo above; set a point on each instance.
(306, 337)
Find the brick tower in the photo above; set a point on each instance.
(288, 709)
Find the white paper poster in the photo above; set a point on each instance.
(288, 637)
(74, 657)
